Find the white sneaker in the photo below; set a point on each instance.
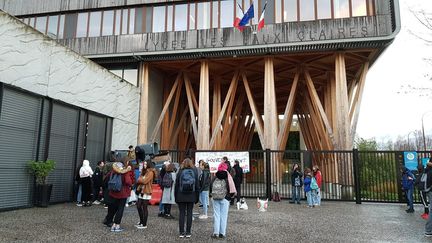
(203, 216)
(140, 226)
(96, 202)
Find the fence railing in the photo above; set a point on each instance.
(360, 176)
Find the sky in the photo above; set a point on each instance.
(398, 89)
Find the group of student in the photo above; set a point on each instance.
(185, 186)
(423, 183)
(311, 181)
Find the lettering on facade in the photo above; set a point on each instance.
(278, 33)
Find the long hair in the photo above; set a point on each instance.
(149, 165)
(187, 163)
(293, 167)
(169, 167)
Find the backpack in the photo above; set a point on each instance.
(423, 183)
(167, 180)
(187, 181)
(406, 183)
(219, 189)
(115, 182)
(314, 184)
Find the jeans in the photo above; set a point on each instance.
(220, 215)
(142, 210)
(409, 195)
(116, 208)
(429, 222)
(185, 210)
(79, 194)
(296, 194)
(309, 198)
(316, 197)
(204, 198)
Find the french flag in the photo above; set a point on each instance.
(261, 20)
(238, 19)
(241, 23)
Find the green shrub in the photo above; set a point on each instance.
(41, 169)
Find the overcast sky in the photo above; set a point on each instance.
(398, 88)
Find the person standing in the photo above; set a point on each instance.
(168, 194)
(97, 182)
(318, 177)
(144, 191)
(307, 186)
(78, 187)
(238, 179)
(118, 198)
(296, 182)
(204, 180)
(186, 195)
(221, 195)
(408, 187)
(422, 191)
(86, 173)
(428, 171)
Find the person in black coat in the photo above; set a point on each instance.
(186, 191)
(297, 183)
(97, 182)
(238, 179)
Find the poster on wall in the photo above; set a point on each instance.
(410, 160)
(214, 159)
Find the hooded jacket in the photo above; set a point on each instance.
(85, 170)
(127, 180)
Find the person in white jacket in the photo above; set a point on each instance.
(86, 173)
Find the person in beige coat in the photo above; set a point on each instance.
(144, 192)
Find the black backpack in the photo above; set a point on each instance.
(187, 180)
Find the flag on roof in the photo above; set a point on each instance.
(240, 23)
(261, 20)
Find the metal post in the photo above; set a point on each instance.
(423, 133)
(357, 185)
(268, 173)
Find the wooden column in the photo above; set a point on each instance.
(288, 115)
(144, 102)
(355, 107)
(270, 108)
(204, 109)
(343, 123)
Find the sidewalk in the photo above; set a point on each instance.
(283, 222)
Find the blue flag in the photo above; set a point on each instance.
(247, 16)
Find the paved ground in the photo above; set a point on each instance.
(332, 222)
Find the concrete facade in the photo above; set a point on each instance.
(34, 62)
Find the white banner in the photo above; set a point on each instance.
(215, 158)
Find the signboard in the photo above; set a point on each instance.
(411, 160)
(424, 162)
(215, 158)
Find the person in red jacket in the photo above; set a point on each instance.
(318, 178)
(118, 198)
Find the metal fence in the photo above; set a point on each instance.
(360, 176)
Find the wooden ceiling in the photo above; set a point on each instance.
(319, 64)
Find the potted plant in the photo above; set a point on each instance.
(41, 169)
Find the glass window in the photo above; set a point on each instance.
(70, 25)
(170, 10)
(358, 7)
(227, 14)
(159, 19)
(52, 26)
(131, 75)
(124, 29)
(278, 12)
(203, 17)
(192, 17)
(81, 30)
(215, 14)
(32, 22)
(290, 10)
(108, 22)
(324, 9)
(41, 24)
(117, 22)
(181, 17)
(307, 10)
(139, 21)
(131, 21)
(95, 24)
(341, 8)
(61, 26)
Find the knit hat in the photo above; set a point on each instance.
(222, 166)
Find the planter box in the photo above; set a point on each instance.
(42, 195)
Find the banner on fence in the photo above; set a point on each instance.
(214, 159)
(424, 162)
(411, 160)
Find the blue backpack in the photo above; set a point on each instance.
(115, 182)
(187, 180)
